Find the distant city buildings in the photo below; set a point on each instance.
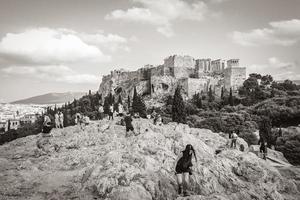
(14, 116)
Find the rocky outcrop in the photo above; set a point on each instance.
(101, 163)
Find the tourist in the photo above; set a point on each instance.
(128, 124)
(230, 134)
(56, 120)
(120, 109)
(61, 119)
(183, 169)
(77, 119)
(159, 120)
(233, 140)
(111, 112)
(101, 112)
(263, 147)
(46, 125)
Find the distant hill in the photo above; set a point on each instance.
(51, 98)
(296, 82)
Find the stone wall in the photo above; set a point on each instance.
(234, 77)
(180, 66)
(162, 85)
(191, 86)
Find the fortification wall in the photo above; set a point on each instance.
(162, 85)
(180, 72)
(234, 77)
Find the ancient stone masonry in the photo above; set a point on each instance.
(193, 75)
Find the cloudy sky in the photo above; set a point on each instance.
(67, 45)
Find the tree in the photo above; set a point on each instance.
(90, 92)
(120, 100)
(250, 84)
(266, 80)
(255, 75)
(178, 107)
(197, 100)
(265, 127)
(210, 95)
(106, 104)
(222, 93)
(128, 103)
(231, 100)
(138, 105)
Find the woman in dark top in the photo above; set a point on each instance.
(183, 169)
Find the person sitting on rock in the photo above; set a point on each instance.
(46, 125)
(183, 169)
(128, 124)
(263, 147)
(233, 140)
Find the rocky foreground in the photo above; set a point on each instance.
(100, 163)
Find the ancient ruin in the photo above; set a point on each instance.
(193, 75)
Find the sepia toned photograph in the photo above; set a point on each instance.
(149, 99)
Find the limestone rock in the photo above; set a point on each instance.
(104, 164)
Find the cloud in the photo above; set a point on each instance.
(280, 70)
(283, 33)
(44, 45)
(161, 13)
(113, 42)
(52, 73)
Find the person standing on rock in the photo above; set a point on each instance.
(61, 120)
(101, 112)
(233, 140)
(56, 120)
(128, 124)
(183, 169)
(111, 112)
(263, 147)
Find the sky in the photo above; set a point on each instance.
(68, 45)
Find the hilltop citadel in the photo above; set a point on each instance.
(193, 75)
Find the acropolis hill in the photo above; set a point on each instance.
(193, 75)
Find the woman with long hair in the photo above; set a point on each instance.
(183, 169)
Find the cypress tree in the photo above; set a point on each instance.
(231, 103)
(178, 108)
(128, 103)
(138, 105)
(222, 93)
(120, 100)
(210, 95)
(106, 105)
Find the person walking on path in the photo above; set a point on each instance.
(233, 140)
(61, 120)
(128, 124)
(183, 169)
(56, 120)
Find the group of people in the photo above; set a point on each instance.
(59, 120)
(47, 123)
(112, 112)
(81, 120)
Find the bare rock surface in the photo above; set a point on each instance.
(101, 163)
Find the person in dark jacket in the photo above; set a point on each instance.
(263, 147)
(128, 124)
(183, 169)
